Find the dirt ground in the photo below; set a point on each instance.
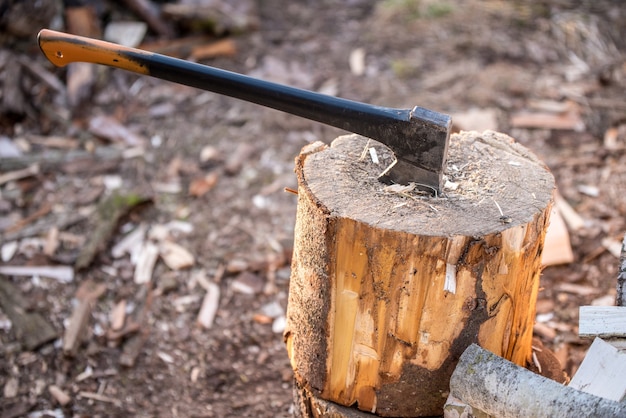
(213, 170)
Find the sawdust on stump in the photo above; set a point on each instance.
(389, 285)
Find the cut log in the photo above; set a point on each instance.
(505, 390)
(389, 287)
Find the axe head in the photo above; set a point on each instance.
(421, 149)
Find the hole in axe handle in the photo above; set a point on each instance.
(418, 137)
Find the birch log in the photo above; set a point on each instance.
(505, 390)
(389, 286)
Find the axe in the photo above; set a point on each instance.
(418, 137)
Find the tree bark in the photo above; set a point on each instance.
(501, 389)
(389, 286)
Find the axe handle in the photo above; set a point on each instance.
(368, 120)
(414, 135)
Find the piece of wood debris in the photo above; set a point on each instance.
(502, 389)
(476, 119)
(150, 13)
(557, 248)
(602, 372)
(247, 283)
(221, 48)
(99, 397)
(573, 220)
(11, 388)
(176, 256)
(42, 211)
(59, 395)
(52, 242)
(145, 263)
(602, 321)
(31, 170)
(238, 158)
(134, 344)
(31, 329)
(613, 246)
(109, 128)
(81, 76)
(8, 250)
(131, 243)
(456, 408)
(200, 186)
(64, 274)
(126, 33)
(568, 120)
(87, 294)
(110, 210)
(118, 315)
(577, 289)
(210, 303)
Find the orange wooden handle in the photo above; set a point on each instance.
(62, 48)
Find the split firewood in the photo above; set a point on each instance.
(602, 321)
(87, 294)
(31, 329)
(503, 389)
(602, 372)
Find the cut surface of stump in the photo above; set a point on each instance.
(389, 285)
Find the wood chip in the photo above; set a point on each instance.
(59, 395)
(87, 294)
(577, 289)
(100, 398)
(175, 256)
(210, 303)
(118, 315)
(11, 387)
(64, 274)
(146, 262)
(202, 185)
(110, 128)
(221, 48)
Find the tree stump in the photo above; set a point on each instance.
(389, 286)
